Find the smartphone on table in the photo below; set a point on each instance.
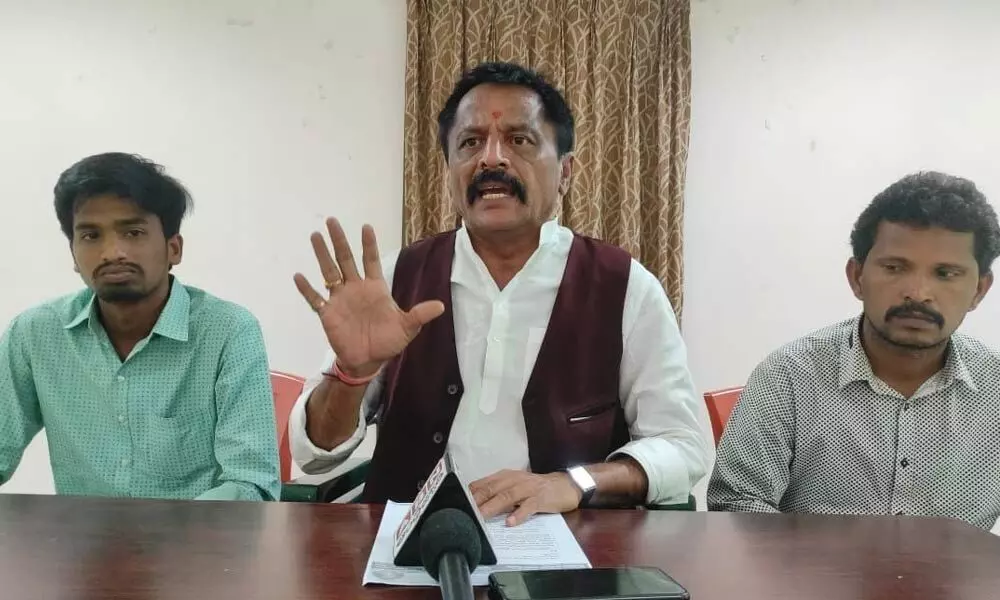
(619, 583)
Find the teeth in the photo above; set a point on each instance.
(491, 195)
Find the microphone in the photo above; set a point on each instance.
(450, 549)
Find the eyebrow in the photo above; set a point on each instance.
(117, 224)
(944, 265)
(954, 266)
(520, 126)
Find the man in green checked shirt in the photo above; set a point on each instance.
(146, 388)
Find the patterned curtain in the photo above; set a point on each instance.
(625, 68)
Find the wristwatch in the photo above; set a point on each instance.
(582, 479)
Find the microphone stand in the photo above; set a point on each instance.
(454, 576)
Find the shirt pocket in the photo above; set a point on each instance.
(594, 412)
(177, 447)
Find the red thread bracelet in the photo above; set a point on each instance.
(336, 372)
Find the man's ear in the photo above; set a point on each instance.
(566, 174)
(853, 272)
(175, 250)
(76, 265)
(984, 285)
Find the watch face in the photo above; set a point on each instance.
(582, 479)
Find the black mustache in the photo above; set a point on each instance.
(914, 309)
(496, 176)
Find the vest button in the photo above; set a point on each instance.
(437, 437)
(452, 389)
(420, 484)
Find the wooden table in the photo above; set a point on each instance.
(85, 548)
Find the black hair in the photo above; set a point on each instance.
(932, 199)
(554, 106)
(128, 176)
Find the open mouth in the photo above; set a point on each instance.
(494, 191)
(496, 185)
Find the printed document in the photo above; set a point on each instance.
(544, 542)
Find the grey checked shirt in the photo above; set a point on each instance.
(816, 431)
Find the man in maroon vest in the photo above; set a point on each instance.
(548, 364)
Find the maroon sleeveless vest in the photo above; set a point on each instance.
(572, 412)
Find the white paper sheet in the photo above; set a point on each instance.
(544, 542)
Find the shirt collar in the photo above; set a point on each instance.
(854, 363)
(855, 366)
(466, 258)
(173, 322)
(548, 235)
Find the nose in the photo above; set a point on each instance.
(918, 289)
(112, 250)
(494, 156)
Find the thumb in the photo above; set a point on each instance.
(423, 313)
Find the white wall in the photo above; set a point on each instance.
(275, 115)
(802, 111)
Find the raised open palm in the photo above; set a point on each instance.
(364, 325)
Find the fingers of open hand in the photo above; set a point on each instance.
(315, 300)
(327, 267)
(342, 250)
(369, 253)
(421, 314)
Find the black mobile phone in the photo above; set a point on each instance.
(621, 583)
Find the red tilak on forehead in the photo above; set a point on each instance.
(497, 114)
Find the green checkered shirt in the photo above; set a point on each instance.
(189, 413)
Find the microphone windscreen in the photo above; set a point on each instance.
(449, 530)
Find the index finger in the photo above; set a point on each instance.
(503, 502)
(487, 487)
(523, 512)
(480, 492)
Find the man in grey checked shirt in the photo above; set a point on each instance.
(891, 412)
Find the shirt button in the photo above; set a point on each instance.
(496, 339)
(121, 378)
(452, 389)
(125, 462)
(121, 418)
(437, 437)
(904, 463)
